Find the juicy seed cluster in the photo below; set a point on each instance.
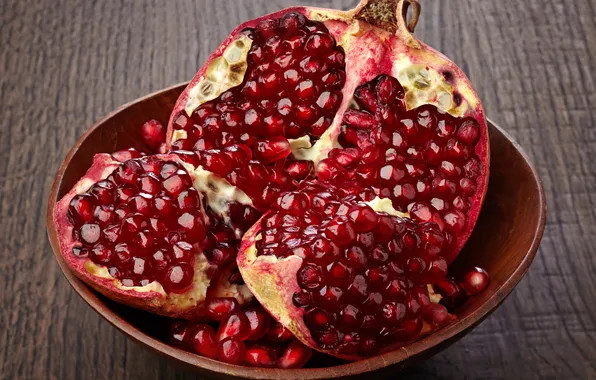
(143, 222)
(421, 159)
(292, 88)
(250, 337)
(363, 274)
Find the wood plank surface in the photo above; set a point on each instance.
(66, 63)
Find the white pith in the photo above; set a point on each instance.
(193, 297)
(217, 192)
(223, 73)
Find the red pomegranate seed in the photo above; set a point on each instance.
(452, 294)
(153, 133)
(436, 314)
(219, 308)
(259, 322)
(295, 356)
(260, 357)
(179, 334)
(178, 278)
(278, 333)
(475, 281)
(272, 149)
(235, 325)
(202, 341)
(231, 350)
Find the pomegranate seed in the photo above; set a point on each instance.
(468, 132)
(260, 357)
(202, 341)
(475, 281)
(278, 333)
(179, 333)
(236, 325)
(153, 133)
(231, 350)
(81, 208)
(219, 308)
(259, 322)
(452, 294)
(295, 356)
(272, 149)
(178, 278)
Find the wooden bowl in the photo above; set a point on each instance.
(504, 243)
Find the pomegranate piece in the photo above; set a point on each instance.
(143, 224)
(475, 281)
(346, 297)
(290, 88)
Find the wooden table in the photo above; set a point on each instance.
(65, 64)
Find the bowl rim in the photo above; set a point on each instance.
(353, 368)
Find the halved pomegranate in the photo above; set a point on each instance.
(137, 232)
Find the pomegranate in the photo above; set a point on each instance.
(345, 263)
(137, 232)
(337, 160)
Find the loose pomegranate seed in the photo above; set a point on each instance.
(475, 281)
(153, 133)
(259, 322)
(202, 341)
(295, 356)
(235, 325)
(452, 294)
(219, 308)
(231, 350)
(260, 357)
(278, 333)
(179, 334)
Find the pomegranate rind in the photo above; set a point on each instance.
(152, 297)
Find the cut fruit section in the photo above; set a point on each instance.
(136, 231)
(344, 277)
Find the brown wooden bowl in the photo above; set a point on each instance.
(504, 243)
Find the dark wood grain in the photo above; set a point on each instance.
(64, 64)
